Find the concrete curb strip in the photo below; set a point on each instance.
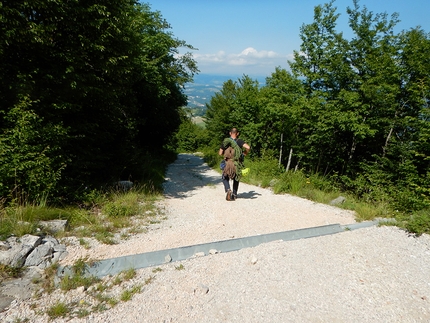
(155, 258)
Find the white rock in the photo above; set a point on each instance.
(167, 258)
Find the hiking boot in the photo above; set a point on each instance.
(228, 196)
(233, 197)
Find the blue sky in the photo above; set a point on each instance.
(236, 37)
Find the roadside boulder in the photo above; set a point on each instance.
(31, 251)
(18, 250)
(337, 201)
(39, 255)
(54, 226)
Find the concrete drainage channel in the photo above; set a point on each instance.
(155, 258)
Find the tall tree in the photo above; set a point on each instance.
(101, 77)
(283, 101)
(322, 63)
(236, 105)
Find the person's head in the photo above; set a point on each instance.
(234, 133)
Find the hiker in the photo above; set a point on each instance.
(234, 150)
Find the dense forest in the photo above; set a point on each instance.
(355, 111)
(89, 90)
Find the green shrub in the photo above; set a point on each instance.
(291, 182)
(211, 157)
(122, 205)
(78, 277)
(58, 310)
(119, 209)
(419, 222)
(128, 293)
(30, 162)
(10, 272)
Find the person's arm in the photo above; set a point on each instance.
(221, 152)
(247, 149)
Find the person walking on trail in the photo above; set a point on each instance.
(234, 150)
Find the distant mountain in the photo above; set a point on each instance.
(204, 87)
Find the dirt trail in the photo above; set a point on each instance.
(197, 212)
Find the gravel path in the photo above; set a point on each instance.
(377, 274)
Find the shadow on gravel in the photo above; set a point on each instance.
(248, 195)
(186, 174)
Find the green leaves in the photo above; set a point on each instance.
(86, 87)
(30, 154)
(356, 108)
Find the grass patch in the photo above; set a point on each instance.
(84, 243)
(124, 276)
(127, 294)
(129, 274)
(101, 215)
(366, 211)
(60, 309)
(261, 172)
(78, 278)
(180, 267)
(48, 283)
(10, 272)
(416, 222)
(73, 282)
(82, 312)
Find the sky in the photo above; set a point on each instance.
(250, 37)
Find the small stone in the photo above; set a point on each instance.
(201, 290)
(213, 251)
(124, 185)
(4, 246)
(5, 301)
(54, 225)
(273, 182)
(200, 254)
(167, 258)
(254, 260)
(80, 289)
(338, 200)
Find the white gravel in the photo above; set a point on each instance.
(377, 274)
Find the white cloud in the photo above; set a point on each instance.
(248, 61)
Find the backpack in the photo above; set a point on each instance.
(234, 164)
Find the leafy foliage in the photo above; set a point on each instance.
(353, 111)
(87, 89)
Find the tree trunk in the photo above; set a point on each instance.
(384, 149)
(289, 160)
(280, 150)
(387, 140)
(297, 165)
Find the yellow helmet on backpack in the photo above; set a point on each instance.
(245, 171)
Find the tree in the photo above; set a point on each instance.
(236, 105)
(100, 77)
(352, 87)
(323, 64)
(282, 102)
